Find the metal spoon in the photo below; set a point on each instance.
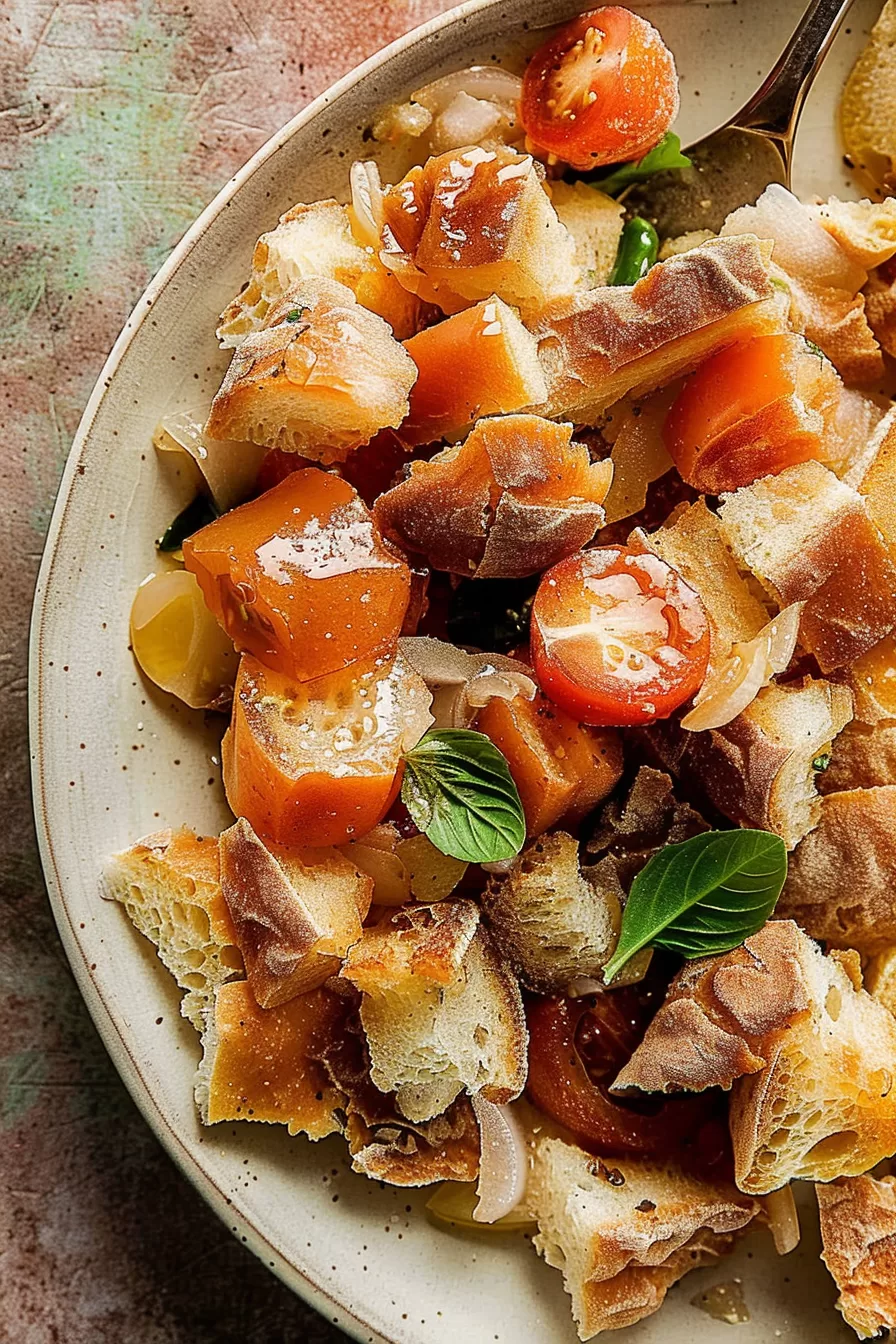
(735, 164)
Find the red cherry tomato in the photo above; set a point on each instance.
(602, 90)
(576, 1049)
(751, 411)
(618, 637)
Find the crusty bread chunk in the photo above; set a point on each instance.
(758, 769)
(823, 280)
(694, 543)
(475, 222)
(630, 829)
(441, 1012)
(723, 1016)
(321, 377)
(258, 1063)
(296, 913)
(878, 485)
(595, 222)
(315, 241)
(825, 1105)
(880, 977)
(866, 230)
(880, 306)
(548, 918)
(858, 1238)
(623, 1232)
(169, 885)
(868, 107)
(808, 538)
(605, 343)
(841, 879)
(384, 1144)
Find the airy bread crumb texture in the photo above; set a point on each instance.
(169, 885)
(440, 1010)
(320, 378)
(595, 222)
(825, 1106)
(841, 878)
(868, 104)
(723, 1016)
(858, 1236)
(622, 1232)
(548, 918)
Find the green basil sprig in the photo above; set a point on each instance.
(667, 154)
(702, 897)
(458, 789)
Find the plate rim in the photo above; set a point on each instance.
(297, 1278)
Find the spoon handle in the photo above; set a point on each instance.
(775, 106)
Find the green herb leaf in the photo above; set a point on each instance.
(822, 762)
(702, 897)
(458, 789)
(667, 154)
(198, 513)
(294, 315)
(638, 248)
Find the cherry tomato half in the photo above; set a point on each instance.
(602, 90)
(576, 1049)
(618, 637)
(751, 411)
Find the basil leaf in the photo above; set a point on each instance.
(667, 154)
(703, 896)
(458, 789)
(198, 513)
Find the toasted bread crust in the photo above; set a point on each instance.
(858, 1235)
(723, 1016)
(841, 878)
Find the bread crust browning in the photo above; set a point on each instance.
(723, 1016)
(622, 1234)
(858, 1235)
(841, 878)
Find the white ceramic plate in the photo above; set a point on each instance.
(113, 759)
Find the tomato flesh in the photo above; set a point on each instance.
(752, 410)
(301, 578)
(618, 637)
(604, 89)
(576, 1049)
(318, 763)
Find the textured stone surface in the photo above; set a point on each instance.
(120, 120)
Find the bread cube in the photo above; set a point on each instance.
(321, 377)
(858, 1240)
(623, 1232)
(169, 884)
(841, 878)
(808, 538)
(258, 1063)
(595, 222)
(440, 1011)
(296, 912)
(602, 344)
(315, 242)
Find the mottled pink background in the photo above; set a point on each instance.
(119, 120)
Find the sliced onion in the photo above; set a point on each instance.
(783, 1219)
(465, 121)
(227, 467)
(375, 854)
(639, 455)
(179, 644)
(400, 119)
(503, 1161)
(454, 1201)
(367, 203)
(488, 82)
(731, 687)
(432, 874)
(463, 682)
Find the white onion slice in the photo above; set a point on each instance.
(463, 682)
(783, 1219)
(227, 467)
(734, 685)
(503, 1161)
(375, 854)
(487, 82)
(367, 202)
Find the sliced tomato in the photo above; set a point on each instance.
(576, 1049)
(752, 410)
(618, 637)
(603, 90)
(318, 763)
(301, 578)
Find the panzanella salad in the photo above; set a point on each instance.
(543, 569)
